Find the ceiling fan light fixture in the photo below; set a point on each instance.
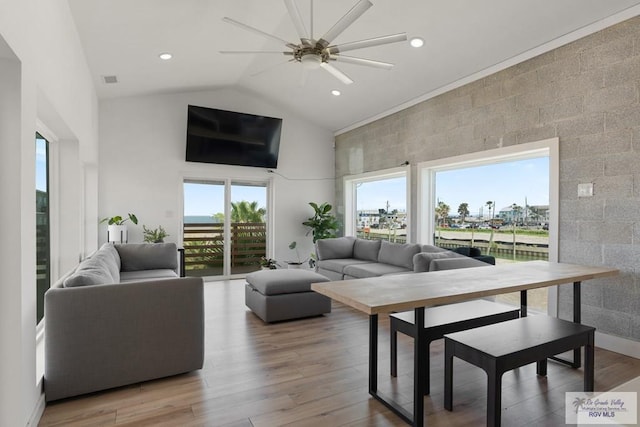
(311, 61)
(335, 92)
(165, 56)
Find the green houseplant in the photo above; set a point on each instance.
(117, 229)
(295, 264)
(323, 223)
(156, 235)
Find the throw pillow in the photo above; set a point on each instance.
(422, 260)
(400, 254)
(335, 247)
(366, 249)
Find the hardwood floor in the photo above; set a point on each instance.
(313, 372)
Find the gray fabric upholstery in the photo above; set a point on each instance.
(275, 308)
(329, 274)
(337, 247)
(339, 264)
(452, 263)
(276, 282)
(398, 254)
(422, 260)
(99, 269)
(161, 273)
(374, 269)
(431, 249)
(366, 249)
(104, 336)
(113, 334)
(144, 256)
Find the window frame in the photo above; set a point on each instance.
(350, 182)
(426, 190)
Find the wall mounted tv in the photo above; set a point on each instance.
(230, 138)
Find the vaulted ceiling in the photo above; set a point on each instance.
(462, 38)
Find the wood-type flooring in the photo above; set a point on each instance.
(314, 372)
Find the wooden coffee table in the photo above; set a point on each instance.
(416, 291)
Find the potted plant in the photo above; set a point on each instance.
(295, 264)
(268, 263)
(117, 229)
(156, 235)
(323, 223)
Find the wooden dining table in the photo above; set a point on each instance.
(415, 291)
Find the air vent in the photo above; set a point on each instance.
(110, 79)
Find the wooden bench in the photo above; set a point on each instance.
(508, 345)
(446, 319)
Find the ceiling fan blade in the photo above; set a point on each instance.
(356, 11)
(296, 18)
(362, 61)
(336, 73)
(257, 31)
(376, 41)
(255, 51)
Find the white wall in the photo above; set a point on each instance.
(43, 76)
(142, 166)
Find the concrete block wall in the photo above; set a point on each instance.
(586, 93)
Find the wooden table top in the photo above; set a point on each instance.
(407, 291)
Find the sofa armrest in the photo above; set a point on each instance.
(104, 336)
(453, 263)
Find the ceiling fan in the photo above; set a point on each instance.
(314, 54)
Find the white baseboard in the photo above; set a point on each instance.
(619, 345)
(38, 410)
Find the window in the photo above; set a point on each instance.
(503, 201)
(43, 231)
(225, 227)
(376, 205)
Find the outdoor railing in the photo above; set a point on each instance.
(204, 243)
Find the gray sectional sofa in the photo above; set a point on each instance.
(122, 316)
(354, 258)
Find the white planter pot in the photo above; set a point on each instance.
(294, 266)
(117, 233)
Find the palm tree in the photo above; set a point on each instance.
(442, 212)
(491, 205)
(244, 211)
(463, 210)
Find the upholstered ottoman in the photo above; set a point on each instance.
(275, 295)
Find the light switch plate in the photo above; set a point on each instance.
(585, 190)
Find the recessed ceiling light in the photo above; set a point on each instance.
(165, 56)
(335, 92)
(417, 42)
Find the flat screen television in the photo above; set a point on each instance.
(231, 138)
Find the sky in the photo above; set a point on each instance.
(208, 199)
(41, 165)
(502, 183)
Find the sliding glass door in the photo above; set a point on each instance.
(225, 228)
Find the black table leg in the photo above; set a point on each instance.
(577, 318)
(419, 371)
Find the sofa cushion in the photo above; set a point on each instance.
(335, 247)
(422, 260)
(398, 254)
(148, 256)
(141, 275)
(283, 281)
(366, 249)
(338, 265)
(92, 271)
(373, 269)
(431, 249)
(112, 258)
